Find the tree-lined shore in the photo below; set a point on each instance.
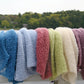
(71, 18)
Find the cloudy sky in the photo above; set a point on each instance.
(39, 6)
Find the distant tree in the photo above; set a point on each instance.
(19, 14)
(36, 15)
(70, 18)
(5, 23)
(33, 23)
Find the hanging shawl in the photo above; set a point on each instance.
(26, 54)
(74, 43)
(31, 58)
(8, 50)
(58, 63)
(80, 35)
(42, 52)
(82, 46)
(69, 53)
(77, 33)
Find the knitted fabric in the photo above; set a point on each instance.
(74, 44)
(31, 61)
(25, 50)
(8, 50)
(77, 36)
(58, 63)
(69, 54)
(42, 52)
(52, 54)
(4, 57)
(80, 32)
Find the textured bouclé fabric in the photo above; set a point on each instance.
(31, 62)
(69, 53)
(8, 50)
(80, 33)
(77, 36)
(26, 56)
(58, 63)
(74, 44)
(42, 53)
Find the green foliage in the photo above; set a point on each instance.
(72, 18)
(33, 23)
(5, 23)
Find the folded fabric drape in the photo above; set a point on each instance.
(58, 63)
(8, 51)
(74, 44)
(69, 53)
(80, 33)
(42, 52)
(31, 59)
(26, 55)
(4, 57)
(54, 54)
(77, 36)
(52, 42)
